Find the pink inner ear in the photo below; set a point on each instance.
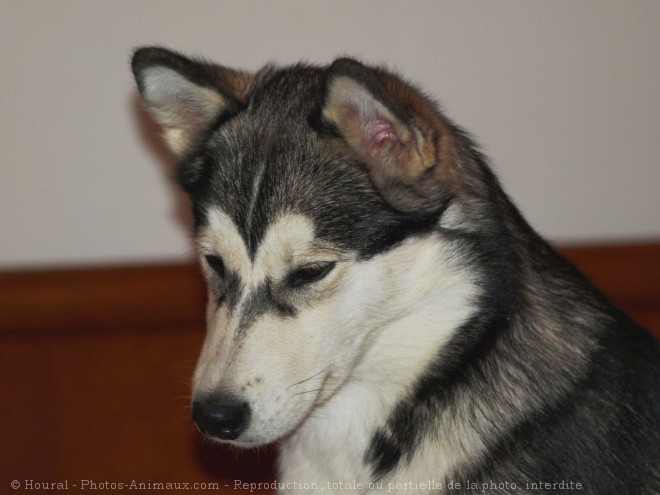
(383, 131)
(382, 136)
(377, 135)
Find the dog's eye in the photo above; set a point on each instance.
(307, 274)
(216, 264)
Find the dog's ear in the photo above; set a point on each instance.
(394, 130)
(186, 95)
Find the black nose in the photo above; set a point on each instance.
(221, 416)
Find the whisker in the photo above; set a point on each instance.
(308, 391)
(315, 390)
(307, 379)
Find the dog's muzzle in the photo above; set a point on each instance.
(221, 416)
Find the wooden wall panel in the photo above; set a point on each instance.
(101, 298)
(95, 367)
(110, 406)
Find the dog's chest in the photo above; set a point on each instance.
(329, 450)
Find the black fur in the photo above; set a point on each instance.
(593, 408)
(302, 173)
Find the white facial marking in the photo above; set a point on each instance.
(288, 239)
(368, 323)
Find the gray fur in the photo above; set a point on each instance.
(525, 371)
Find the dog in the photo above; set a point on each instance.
(379, 307)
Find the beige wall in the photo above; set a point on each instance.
(563, 95)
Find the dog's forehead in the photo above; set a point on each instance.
(289, 237)
(268, 162)
(258, 176)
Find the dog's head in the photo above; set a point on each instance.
(318, 195)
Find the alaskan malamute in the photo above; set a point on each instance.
(379, 307)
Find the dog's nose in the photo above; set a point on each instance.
(221, 416)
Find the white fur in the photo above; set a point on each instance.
(427, 302)
(327, 378)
